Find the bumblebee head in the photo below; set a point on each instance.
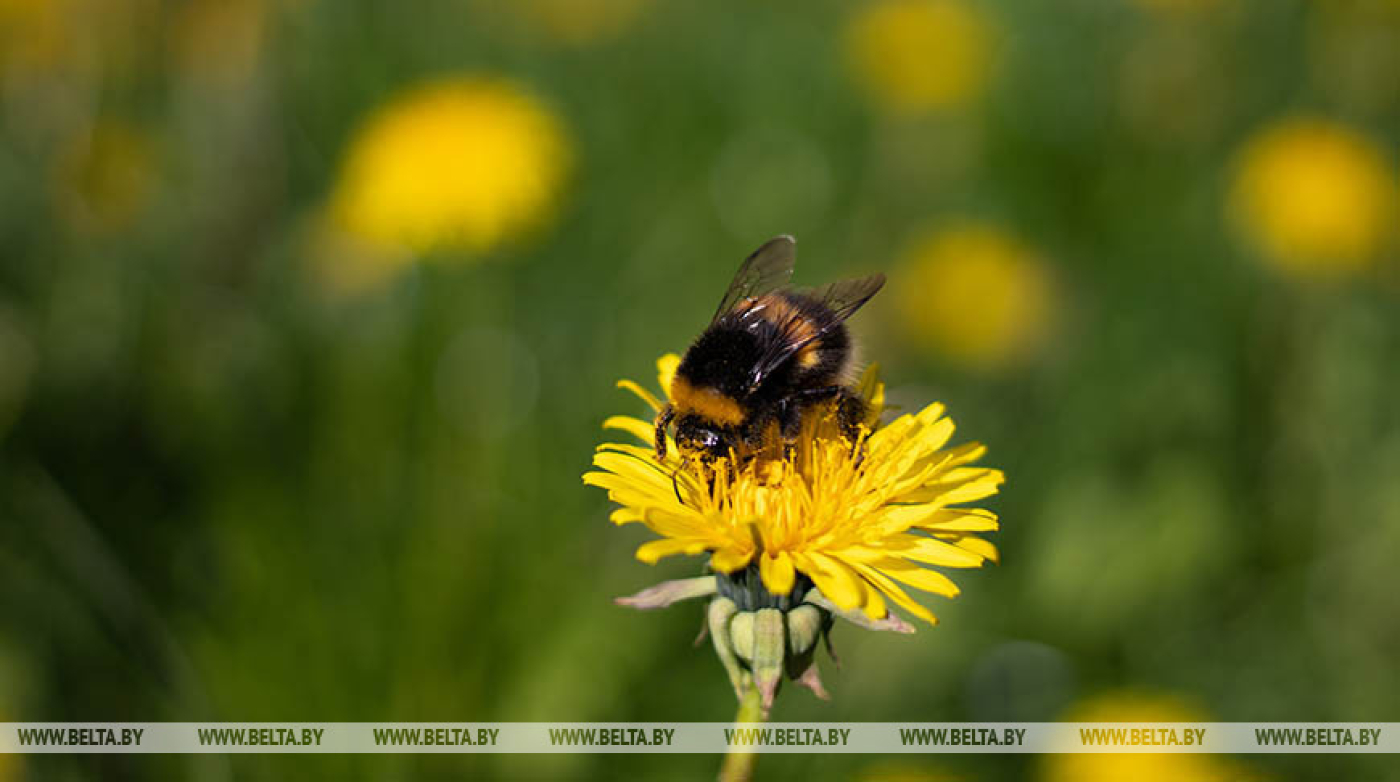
(703, 437)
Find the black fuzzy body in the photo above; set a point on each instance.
(726, 359)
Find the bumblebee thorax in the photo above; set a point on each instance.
(723, 357)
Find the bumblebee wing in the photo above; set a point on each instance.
(841, 298)
(766, 270)
(845, 297)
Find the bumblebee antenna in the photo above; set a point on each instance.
(676, 477)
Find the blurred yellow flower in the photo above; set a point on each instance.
(973, 294)
(1314, 197)
(103, 176)
(1128, 706)
(572, 22)
(464, 163)
(918, 55)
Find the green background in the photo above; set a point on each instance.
(227, 495)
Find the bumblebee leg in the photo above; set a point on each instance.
(851, 412)
(849, 408)
(762, 437)
(789, 415)
(813, 397)
(663, 420)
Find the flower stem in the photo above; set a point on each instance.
(738, 764)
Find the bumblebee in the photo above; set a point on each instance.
(771, 354)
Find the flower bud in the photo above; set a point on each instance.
(762, 638)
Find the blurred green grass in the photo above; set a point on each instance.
(235, 490)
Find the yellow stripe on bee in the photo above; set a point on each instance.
(707, 403)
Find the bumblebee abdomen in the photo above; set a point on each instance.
(826, 346)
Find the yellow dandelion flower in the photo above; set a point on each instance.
(1136, 707)
(974, 295)
(859, 524)
(1313, 197)
(464, 163)
(918, 55)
